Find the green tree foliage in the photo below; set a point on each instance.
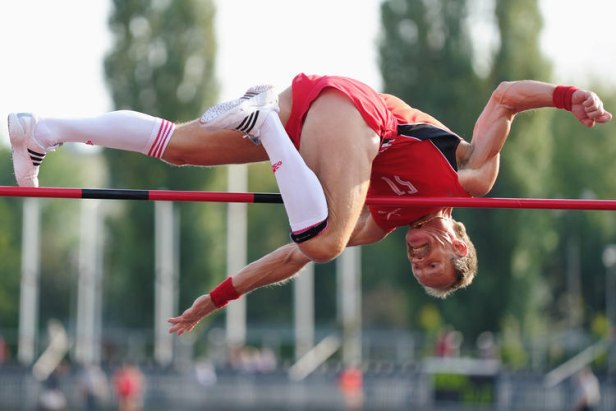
(161, 64)
(427, 59)
(163, 57)
(584, 168)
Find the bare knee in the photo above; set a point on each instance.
(322, 248)
(174, 157)
(181, 145)
(191, 144)
(169, 158)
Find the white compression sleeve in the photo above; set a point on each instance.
(122, 130)
(300, 188)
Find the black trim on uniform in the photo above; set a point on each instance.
(444, 140)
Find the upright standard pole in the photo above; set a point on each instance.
(609, 261)
(303, 301)
(349, 300)
(29, 291)
(236, 255)
(89, 294)
(166, 280)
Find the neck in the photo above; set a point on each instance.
(444, 213)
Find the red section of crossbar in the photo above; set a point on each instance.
(487, 202)
(211, 196)
(225, 197)
(12, 191)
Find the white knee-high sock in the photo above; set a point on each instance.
(122, 130)
(301, 191)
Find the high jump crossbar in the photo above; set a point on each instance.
(273, 198)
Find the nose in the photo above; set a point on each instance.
(418, 264)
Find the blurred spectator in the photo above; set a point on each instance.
(443, 348)
(4, 350)
(128, 383)
(205, 372)
(449, 343)
(94, 387)
(588, 394)
(486, 345)
(266, 360)
(253, 360)
(351, 385)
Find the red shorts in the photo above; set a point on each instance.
(306, 89)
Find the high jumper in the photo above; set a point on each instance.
(332, 142)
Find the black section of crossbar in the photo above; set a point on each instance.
(115, 194)
(269, 198)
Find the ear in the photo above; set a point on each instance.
(460, 248)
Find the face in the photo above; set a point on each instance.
(431, 249)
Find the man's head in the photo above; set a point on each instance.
(442, 256)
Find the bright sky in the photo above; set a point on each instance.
(52, 50)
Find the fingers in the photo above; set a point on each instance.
(605, 117)
(180, 326)
(191, 316)
(588, 122)
(189, 319)
(594, 111)
(177, 328)
(593, 106)
(184, 323)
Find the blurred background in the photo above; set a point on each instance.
(86, 287)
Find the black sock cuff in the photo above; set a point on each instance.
(309, 233)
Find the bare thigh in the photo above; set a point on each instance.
(191, 144)
(339, 147)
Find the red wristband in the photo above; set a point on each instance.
(223, 293)
(562, 97)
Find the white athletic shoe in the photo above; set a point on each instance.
(27, 153)
(245, 114)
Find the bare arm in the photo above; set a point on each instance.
(276, 267)
(366, 230)
(479, 172)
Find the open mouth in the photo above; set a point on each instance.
(420, 251)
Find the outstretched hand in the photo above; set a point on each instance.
(189, 319)
(587, 107)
